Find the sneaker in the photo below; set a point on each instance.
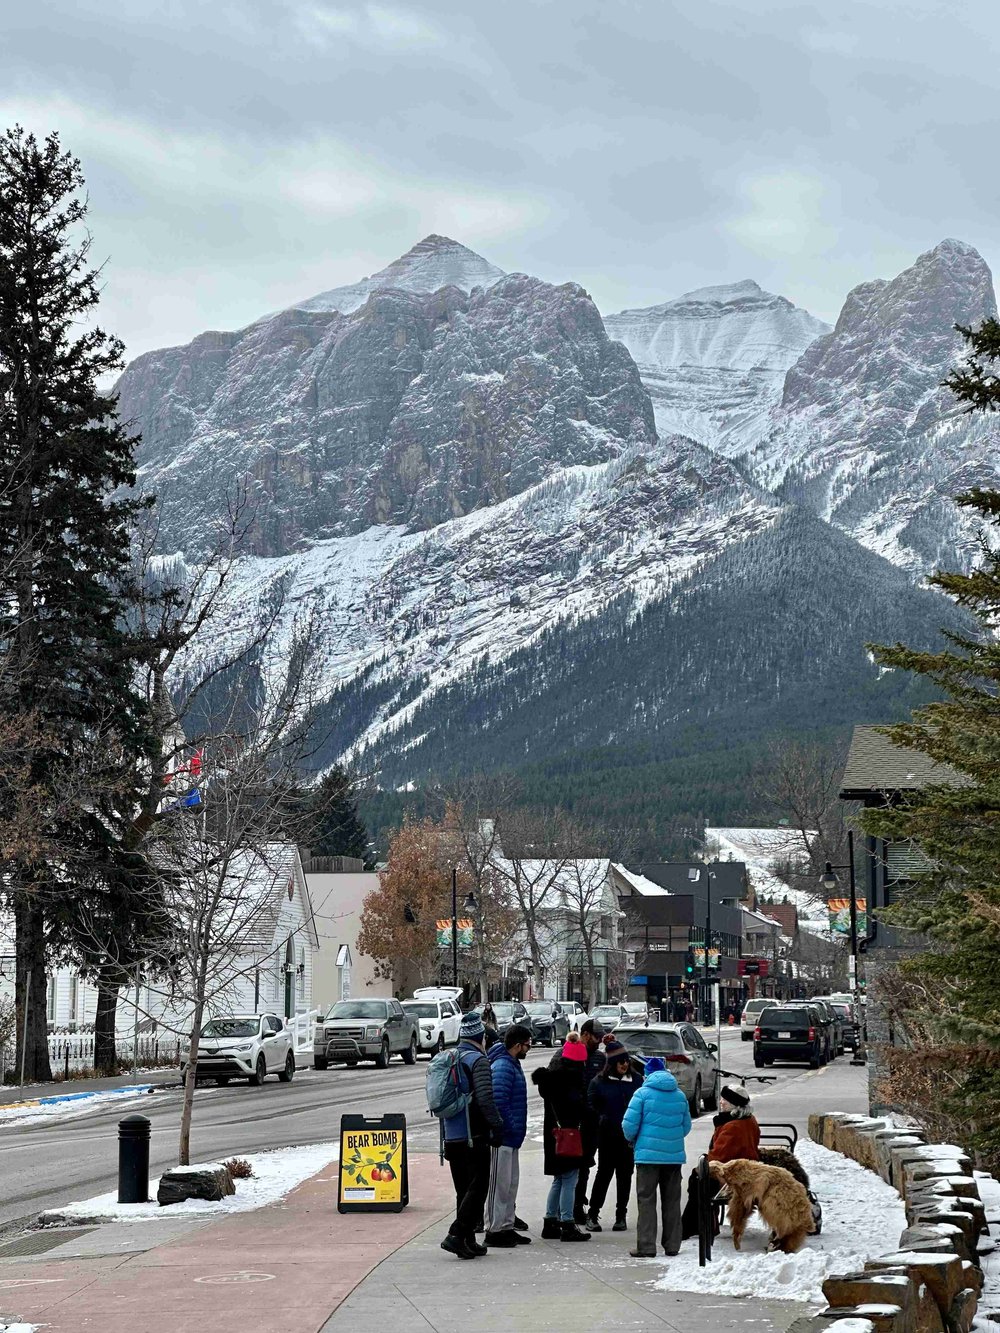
(456, 1245)
(592, 1224)
(620, 1224)
(519, 1225)
(501, 1240)
(477, 1250)
(569, 1231)
(550, 1229)
(519, 1239)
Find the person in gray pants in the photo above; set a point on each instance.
(510, 1093)
(656, 1123)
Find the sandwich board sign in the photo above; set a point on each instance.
(373, 1170)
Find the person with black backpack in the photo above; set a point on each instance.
(468, 1132)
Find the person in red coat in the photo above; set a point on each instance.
(737, 1134)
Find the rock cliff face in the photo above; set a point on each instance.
(714, 360)
(414, 408)
(866, 436)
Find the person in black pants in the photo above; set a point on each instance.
(609, 1095)
(468, 1138)
(592, 1035)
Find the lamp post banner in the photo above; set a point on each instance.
(466, 932)
(839, 910)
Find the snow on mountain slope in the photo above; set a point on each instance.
(414, 408)
(714, 360)
(402, 606)
(434, 262)
(866, 436)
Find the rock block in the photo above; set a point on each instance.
(885, 1140)
(853, 1289)
(926, 1316)
(883, 1318)
(944, 1239)
(939, 1182)
(814, 1126)
(973, 1277)
(941, 1274)
(963, 1311)
(212, 1183)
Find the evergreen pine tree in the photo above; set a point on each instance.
(68, 664)
(956, 822)
(337, 824)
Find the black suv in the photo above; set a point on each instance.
(789, 1032)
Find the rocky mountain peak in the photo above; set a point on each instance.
(435, 262)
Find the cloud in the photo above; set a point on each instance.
(784, 213)
(366, 24)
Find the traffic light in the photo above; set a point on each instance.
(689, 962)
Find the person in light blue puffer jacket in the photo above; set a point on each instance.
(656, 1123)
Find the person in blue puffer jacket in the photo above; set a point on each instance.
(510, 1093)
(656, 1123)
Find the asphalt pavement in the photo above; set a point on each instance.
(45, 1165)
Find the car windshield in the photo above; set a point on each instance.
(844, 1010)
(606, 1011)
(649, 1041)
(503, 1009)
(231, 1027)
(422, 1008)
(539, 1008)
(358, 1009)
(786, 1018)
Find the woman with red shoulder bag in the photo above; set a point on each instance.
(563, 1086)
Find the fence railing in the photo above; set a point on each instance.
(71, 1052)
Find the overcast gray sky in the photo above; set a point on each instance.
(241, 156)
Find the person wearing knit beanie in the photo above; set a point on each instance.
(609, 1095)
(473, 1028)
(574, 1050)
(563, 1086)
(738, 1098)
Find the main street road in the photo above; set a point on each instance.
(45, 1165)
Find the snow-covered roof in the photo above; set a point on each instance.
(640, 884)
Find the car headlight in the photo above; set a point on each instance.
(246, 1046)
(372, 1034)
(428, 1032)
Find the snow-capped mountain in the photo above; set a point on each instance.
(460, 473)
(433, 263)
(866, 435)
(714, 360)
(414, 408)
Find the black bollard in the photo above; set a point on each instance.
(133, 1159)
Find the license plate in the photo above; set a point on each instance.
(784, 1035)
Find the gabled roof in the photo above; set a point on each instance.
(639, 883)
(876, 765)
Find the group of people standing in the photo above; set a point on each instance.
(603, 1107)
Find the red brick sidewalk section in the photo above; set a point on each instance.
(285, 1268)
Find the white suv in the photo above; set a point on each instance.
(249, 1046)
(438, 1016)
(752, 1011)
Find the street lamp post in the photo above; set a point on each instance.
(469, 905)
(707, 1003)
(829, 882)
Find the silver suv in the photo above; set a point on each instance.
(356, 1030)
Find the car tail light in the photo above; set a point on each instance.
(812, 1034)
(677, 1059)
(756, 1033)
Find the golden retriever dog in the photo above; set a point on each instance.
(783, 1202)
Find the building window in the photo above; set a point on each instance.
(50, 999)
(74, 999)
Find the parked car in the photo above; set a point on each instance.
(356, 1030)
(789, 1032)
(438, 1019)
(249, 1046)
(547, 1022)
(822, 1003)
(752, 1010)
(635, 1011)
(849, 1022)
(504, 1011)
(693, 1062)
(610, 1015)
(575, 1012)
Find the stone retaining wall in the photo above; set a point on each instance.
(933, 1282)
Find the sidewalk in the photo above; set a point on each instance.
(64, 1087)
(313, 1270)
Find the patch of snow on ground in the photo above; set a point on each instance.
(275, 1174)
(69, 1105)
(989, 1301)
(862, 1218)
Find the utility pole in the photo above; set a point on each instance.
(454, 925)
(707, 1002)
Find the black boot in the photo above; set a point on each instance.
(570, 1231)
(550, 1229)
(593, 1221)
(620, 1223)
(501, 1240)
(456, 1245)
